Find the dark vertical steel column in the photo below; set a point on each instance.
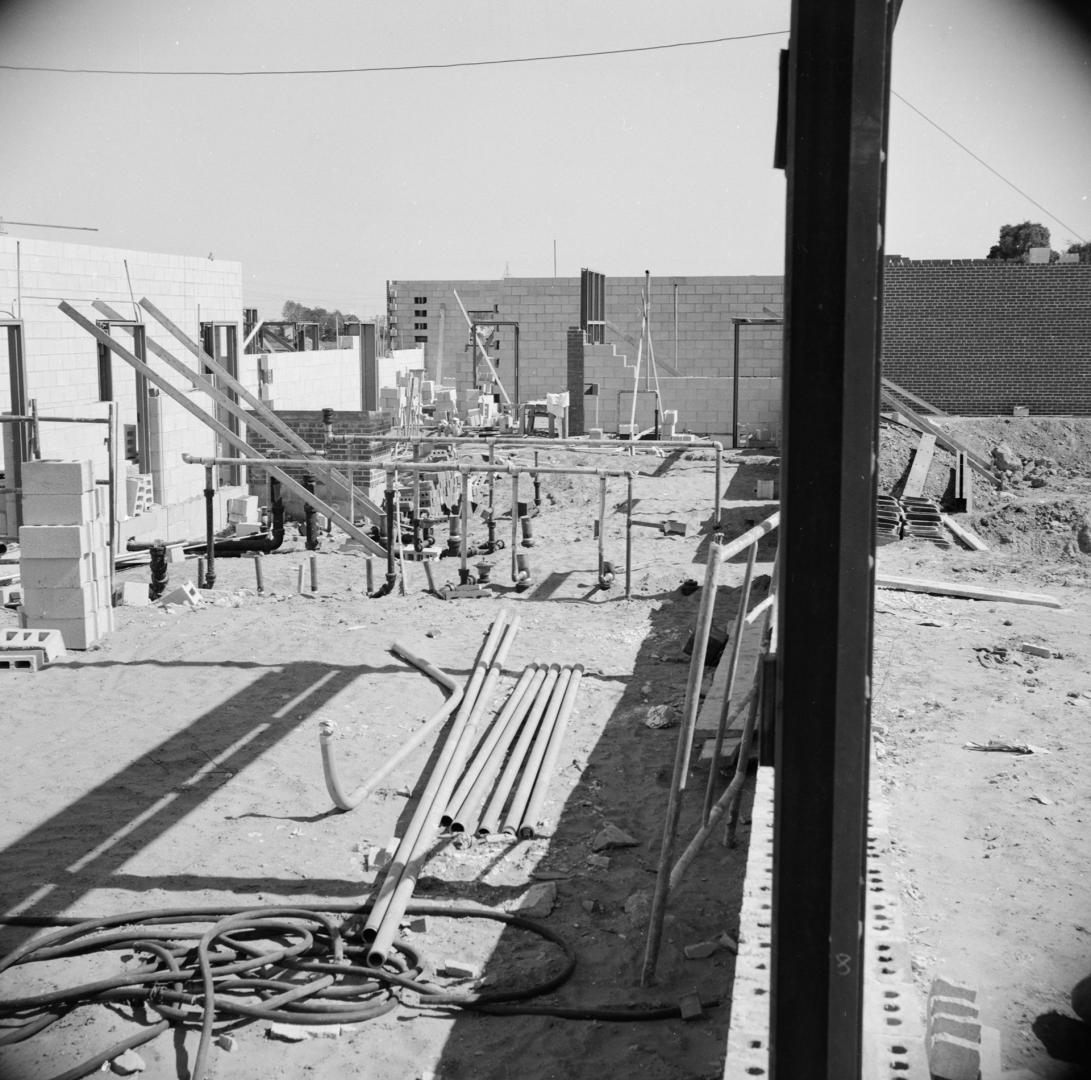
(836, 121)
(20, 406)
(369, 368)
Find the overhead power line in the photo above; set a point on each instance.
(981, 161)
(399, 67)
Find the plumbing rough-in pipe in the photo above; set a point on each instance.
(533, 765)
(490, 819)
(401, 878)
(531, 815)
(350, 800)
(516, 705)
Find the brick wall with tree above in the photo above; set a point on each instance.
(978, 337)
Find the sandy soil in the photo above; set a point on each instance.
(178, 764)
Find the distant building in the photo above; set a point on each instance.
(692, 332)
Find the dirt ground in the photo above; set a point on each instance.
(178, 765)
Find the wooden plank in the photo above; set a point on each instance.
(948, 442)
(292, 438)
(902, 392)
(966, 592)
(922, 462)
(964, 533)
(222, 430)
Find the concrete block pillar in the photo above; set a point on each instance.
(369, 369)
(576, 383)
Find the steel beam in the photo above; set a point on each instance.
(836, 131)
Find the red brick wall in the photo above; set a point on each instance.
(976, 337)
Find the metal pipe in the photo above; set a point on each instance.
(681, 756)
(533, 764)
(732, 671)
(349, 801)
(391, 574)
(509, 469)
(484, 752)
(424, 805)
(440, 786)
(529, 825)
(258, 576)
(314, 573)
(629, 539)
(602, 527)
(490, 819)
(537, 482)
(210, 530)
(515, 576)
(463, 552)
(310, 527)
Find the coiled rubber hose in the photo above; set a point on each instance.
(221, 966)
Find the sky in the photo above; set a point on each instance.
(326, 186)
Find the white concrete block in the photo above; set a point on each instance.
(76, 633)
(56, 573)
(60, 541)
(61, 603)
(57, 477)
(61, 509)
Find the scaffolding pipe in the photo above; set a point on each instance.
(602, 531)
(508, 469)
(490, 819)
(521, 798)
(484, 753)
(350, 800)
(515, 573)
(732, 671)
(629, 538)
(463, 551)
(406, 866)
(210, 530)
(682, 755)
(529, 826)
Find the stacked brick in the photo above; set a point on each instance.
(64, 560)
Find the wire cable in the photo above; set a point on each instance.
(378, 69)
(981, 161)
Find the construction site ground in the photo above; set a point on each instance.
(178, 765)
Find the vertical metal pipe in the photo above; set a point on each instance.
(492, 477)
(369, 574)
(314, 573)
(531, 815)
(718, 494)
(681, 760)
(514, 525)
(537, 482)
(309, 516)
(388, 510)
(629, 537)
(735, 392)
(352, 497)
(210, 530)
(258, 575)
(602, 525)
(299, 572)
(463, 571)
(732, 670)
(111, 458)
(519, 801)
(490, 819)
(200, 573)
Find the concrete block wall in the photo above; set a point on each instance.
(978, 337)
(316, 379)
(61, 358)
(703, 403)
(692, 332)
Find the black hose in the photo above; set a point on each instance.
(211, 973)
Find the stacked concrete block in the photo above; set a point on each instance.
(64, 555)
(954, 1032)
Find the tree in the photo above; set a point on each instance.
(329, 322)
(1083, 250)
(1017, 240)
